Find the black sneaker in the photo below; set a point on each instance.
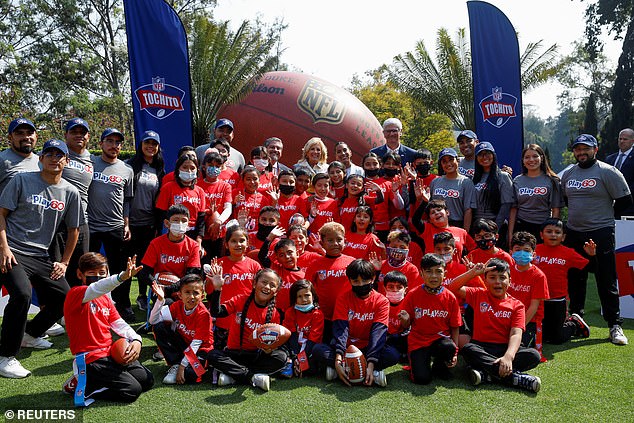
(583, 329)
(527, 382)
(475, 376)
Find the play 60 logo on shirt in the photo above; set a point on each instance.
(586, 183)
(107, 179)
(39, 200)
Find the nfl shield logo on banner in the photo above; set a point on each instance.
(498, 107)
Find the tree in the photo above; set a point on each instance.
(590, 123)
(445, 85)
(225, 66)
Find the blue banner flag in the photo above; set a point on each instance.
(159, 74)
(497, 89)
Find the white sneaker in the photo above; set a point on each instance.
(261, 381)
(331, 373)
(225, 380)
(380, 378)
(55, 330)
(617, 336)
(170, 377)
(38, 343)
(10, 367)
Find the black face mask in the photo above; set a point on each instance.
(264, 231)
(91, 279)
(390, 173)
(423, 169)
(362, 290)
(485, 244)
(371, 172)
(287, 189)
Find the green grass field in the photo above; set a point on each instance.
(584, 380)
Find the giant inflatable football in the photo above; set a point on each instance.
(296, 107)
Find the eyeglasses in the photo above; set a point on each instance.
(58, 156)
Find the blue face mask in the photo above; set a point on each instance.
(213, 171)
(522, 257)
(304, 308)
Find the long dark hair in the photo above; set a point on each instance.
(137, 161)
(179, 162)
(360, 198)
(491, 193)
(270, 306)
(363, 209)
(298, 286)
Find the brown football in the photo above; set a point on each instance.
(166, 278)
(355, 365)
(117, 350)
(270, 336)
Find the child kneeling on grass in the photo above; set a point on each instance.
(183, 331)
(434, 315)
(494, 352)
(90, 314)
(241, 361)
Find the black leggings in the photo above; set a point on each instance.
(441, 350)
(242, 365)
(121, 383)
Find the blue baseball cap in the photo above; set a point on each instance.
(76, 122)
(484, 146)
(467, 133)
(223, 122)
(20, 121)
(53, 143)
(110, 131)
(447, 152)
(151, 135)
(586, 139)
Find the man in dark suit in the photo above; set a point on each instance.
(624, 161)
(392, 131)
(274, 147)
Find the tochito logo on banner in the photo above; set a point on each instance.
(498, 107)
(159, 99)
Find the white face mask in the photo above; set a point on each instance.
(260, 164)
(187, 176)
(395, 297)
(447, 257)
(178, 228)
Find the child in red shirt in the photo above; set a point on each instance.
(306, 322)
(268, 220)
(242, 361)
(555, 260)
(360, 319)
(360, 239)
(285, 265)
(395, 284)
(433, 313)
(323, 209)
(90, 315)
(183, 331)
(302, 182)
(336, 173)
(399, 223)
(357, 193)
(495, 352)
(289, 203)
(247, 205)
(397, 251)
(485, 234)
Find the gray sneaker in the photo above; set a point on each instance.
(380, 378)
(617, 336)
(170, 377)
(38, 343)
(225, 380)
(261, 381)
(331, 373)
(11, 368)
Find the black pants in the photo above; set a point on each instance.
(56, 251)
(295, 347)
(481, 356)
(112, 242)
(138, 245)
(121, 383)
(556, 326)
(441, 350)
(325, 355)
(173, 347)
(398, 341)
(29, 271)
(529, 337)
(604, 272)
(242, 365)
(531, 228)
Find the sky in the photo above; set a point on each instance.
(335, 40)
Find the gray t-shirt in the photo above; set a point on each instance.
(235, 160)
(145, 193)
(36, 209)
(110, 190)
(79, 172)
(11, 163)
(466, 167)
(591, 193)
(483, 209)
(535, 197)
(458, 194)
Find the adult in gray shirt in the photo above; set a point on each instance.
(109, 198)
(467, 141)
(595, 191)
(32, 206)
(224, 129)
(19, 157)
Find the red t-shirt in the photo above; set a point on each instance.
(480, 256)
(231, 177)
(327, 209)
(196, 325)
(431, 316)
(241, 275)
(555, 263)
(529, 285)
(361, 314)
(394, 325)
(311, 324)
(415, 254)
(348, 209)
(493, 318)
(306, 258)
(337, 193)
(192, 198)
(253, 203)
(217, 193)
(256, 316)
(413, 207)
(163, 255)
(88, 324)
(288, 277)
(455, 269)
(289, 206)
(381, 210)
(414, 280)
(169, 177)
(463, 239)
(328, 275)
(361, 245)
